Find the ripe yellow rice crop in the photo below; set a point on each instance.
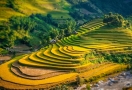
(56, 62)
(70, 54)
(49, 54)
(107, 68)
(7, 75)
(56, 52)
(79, 48)
(50, 65)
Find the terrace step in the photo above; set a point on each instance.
(34, 58)
(19, 72)
(27, 62)
(55, 51)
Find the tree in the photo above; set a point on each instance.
(22, 23)
(11, 4)
(114, 20)
(128, 25)
(54, 33)
(49, 18)
(7, 37)
(61, 34)
(70, 27)
(3, 52)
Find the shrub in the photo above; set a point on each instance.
(3, 51)
(88, 86)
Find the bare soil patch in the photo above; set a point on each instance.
(5, 58)
(34, 71)
(17, 72)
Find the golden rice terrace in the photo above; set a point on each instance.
(67, 59)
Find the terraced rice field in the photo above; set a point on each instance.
(63, 61)
(28, 7)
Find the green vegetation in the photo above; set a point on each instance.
(88, 87)
(44, 21)
(3, 52)
(121, 6)
(27, 30)
(7, 37)
(92, 49)
(24, 8)
(114, 20)
(69, 53)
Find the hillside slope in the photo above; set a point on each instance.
(10, 8)
(119, 6)
(58, 8)
(77, 55)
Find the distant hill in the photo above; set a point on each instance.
(10, 8)
(123, 7)
(60, 8)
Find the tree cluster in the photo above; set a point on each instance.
(118, 58)
(116, 20)
(7, 37)
(53, 29)
(35, 30)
